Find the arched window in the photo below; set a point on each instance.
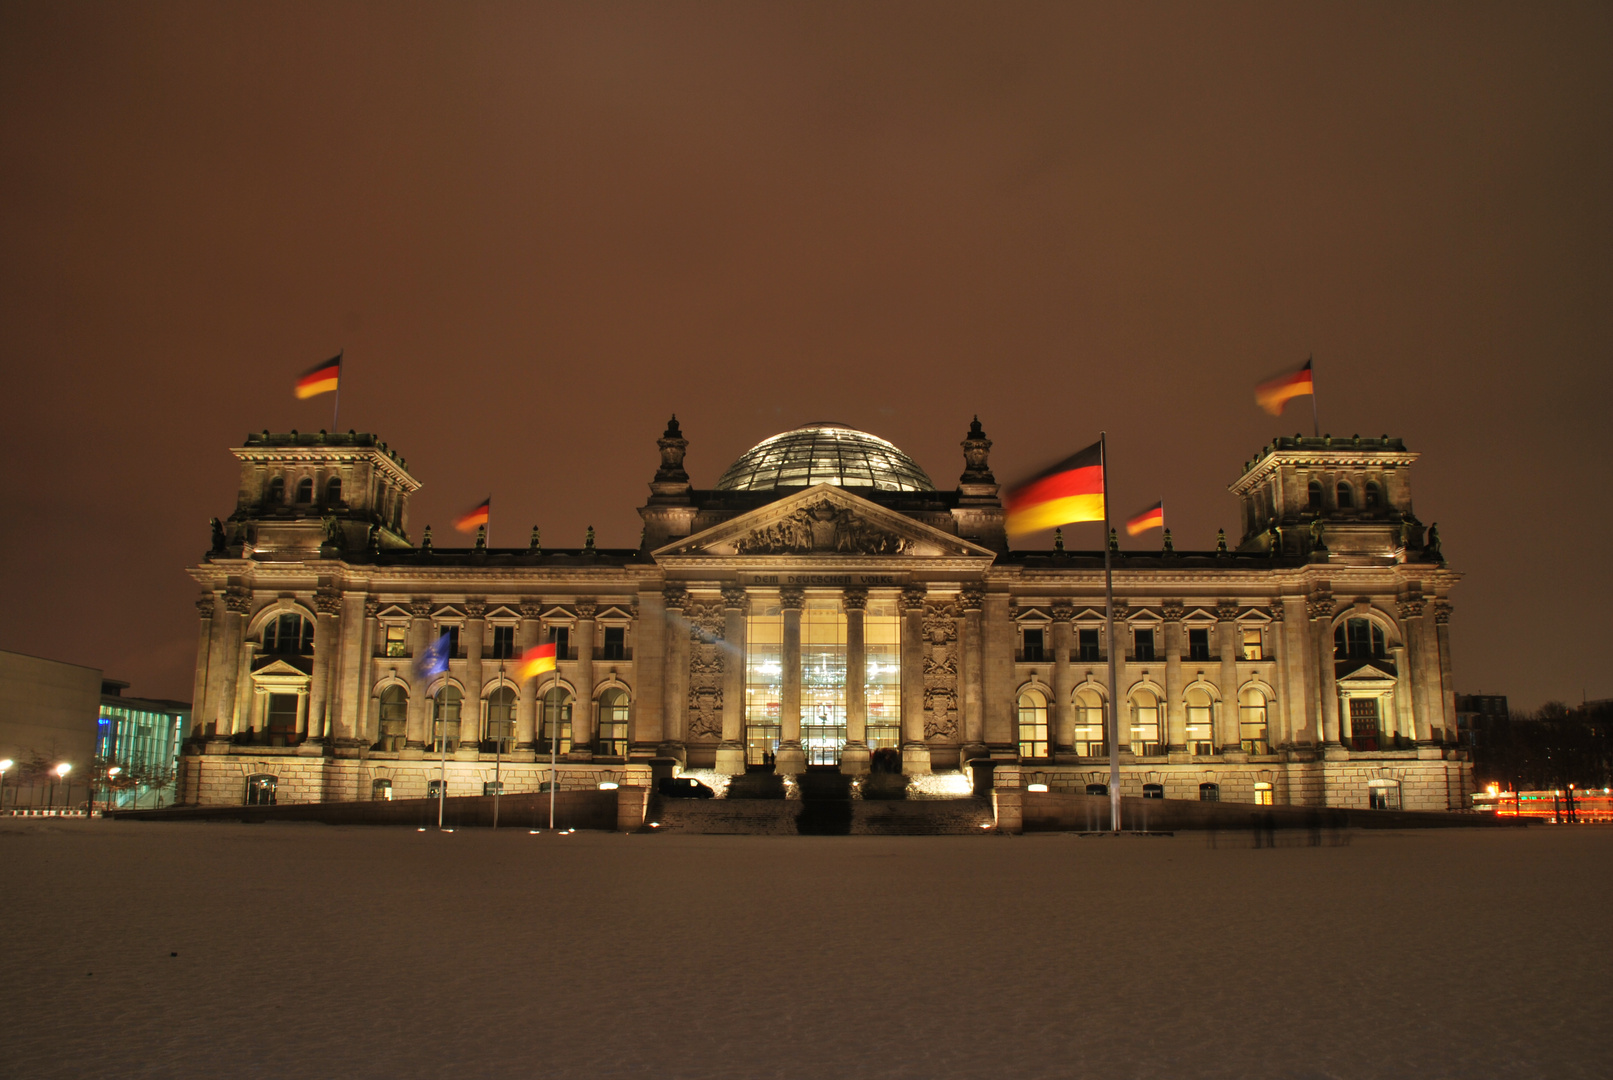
(1145, 724)
(556, 722)
(1200, 721)
(501, 717)
(1262, 793)
(1252, 731)
(1346, 496)
(277, 491)
(394, 718)
(612, 723)
(1032, 724)
(1373, 496)
(1383, 794)
(260, 790)
(1097, 789)
(381, 790)
(305, 490)
(1153, 791)
(1209, 792)
(1314, 494)
(1089, 737)
(1359, 639)
(445, 714)
(333, 491)
(288, 634)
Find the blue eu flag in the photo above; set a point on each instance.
(434, 661)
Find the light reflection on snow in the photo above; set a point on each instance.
(942, 785)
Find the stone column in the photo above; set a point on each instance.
(972, 679)
(1175, 703)
(855, 755)
(915, 751)
(1320, 609)
(1301, 704)
(1063, 678)
(205, 605)
(649, 668)
(1405, 726)
(302, 714)
(419, 729)
(1411, 629)
(237, 603)
(582, 711)
(363, 698)
(526, 705)
(243, 684)
(790, 758)
(677, 673)
(327, 605)
(472, 636)
(1226, 630)
(349, 674)
(731, 751)
(1446, 716)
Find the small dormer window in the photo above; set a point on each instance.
(333, 491)
(305, 490)
(277, 490)
(1314, 491)
(1374, 496)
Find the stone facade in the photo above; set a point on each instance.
(1308, 663)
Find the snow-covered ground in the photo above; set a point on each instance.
(310, 951)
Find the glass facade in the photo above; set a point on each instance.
(882, 637)
(764, 681)
(823, 681)
(142, 740)
(824, 454)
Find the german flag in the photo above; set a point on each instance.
(535, 661)
(1152, 518)
(474, 519)
(1273, 394)
(321, 378)
(1071, 490)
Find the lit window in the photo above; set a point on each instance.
(1252, 730)
(1383, 795)
(435, 790)
(556, 736)
(393, 718)
(1034, 646)
(613, 710)
(1200, 716)
(1153, 791)
(1263, 793)
(445, 713)
(1198, 643)
(260, 790)
(381, 790)
(1145, 724)
(1209, 792)
(1143, 641)
(1253, 643)
(397, 641)
(501, 717)
(1089, 737)
(1032, 724)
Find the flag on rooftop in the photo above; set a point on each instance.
(1273, 394)
(473, 519)
(534, 662)
(1152, 518)
(321, 378)
(1071, 490)
(434, 661)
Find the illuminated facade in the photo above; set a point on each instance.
(1309, 663)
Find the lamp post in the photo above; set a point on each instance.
(111, 774)
(60, 772)
(5, 767)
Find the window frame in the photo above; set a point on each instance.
(1037, 746)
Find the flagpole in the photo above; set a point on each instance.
(554, 739)
(1109, 620)
(1316, 423)
(442, 746)
(498, 760)
(337, 411)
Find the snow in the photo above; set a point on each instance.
(307, 950)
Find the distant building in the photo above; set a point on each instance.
(1474, 712)
(47, 710)
(141, 737)
(824, 600)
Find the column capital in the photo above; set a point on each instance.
(854, 598)
(530, 609)
(1276, 612)
(792, 596)
(1442, 612)
(1320, 606)
(1411, 609)
(913, 598)
(206, 604)
(475, 608)
(586, 608)
(372, 608)
(420, 607)
(1227, 610)
(1172, 611)
(735, 598)
(675, 597)
(973, 598)
(238, 599)
(328, 602)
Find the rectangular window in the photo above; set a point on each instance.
(282, 715)
(397, 641)
(503, 642)
(1253, 643)
(823, 681)
(1035, 650)
(1088, 643)
(1198, 643)
(764, 682)
(615, 643)
(561, 636)
(1144, 643)
(882, 638)
(452, 631)
(1363, 723)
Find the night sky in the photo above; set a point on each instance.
(539, 230)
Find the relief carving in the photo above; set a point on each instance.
(704, 705)
(824, 528)
(940, 671)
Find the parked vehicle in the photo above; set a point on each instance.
(683, 787)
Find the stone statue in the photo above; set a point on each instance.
(535, 547)
(1170, 545)
(588, 542)
(1405, 532)
(1431, 545)
(1220, 541)
(1058, 539)
(218, 536)
(481, 538)
(375, 539)
(425, 541)
(1317, 542)
(1114, 540)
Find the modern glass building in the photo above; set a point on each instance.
(140, 738)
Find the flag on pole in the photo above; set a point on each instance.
(434, 661)
(321, 378)
(1152, 518)
(474, 519)
(534, 662)
(1273, 394)
(1069, 491)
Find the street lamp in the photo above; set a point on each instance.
(111, 774)
(5, 767)
(60, 772)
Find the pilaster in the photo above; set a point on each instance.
(731, 750)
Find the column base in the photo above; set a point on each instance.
(854, 758)
(1430, 751)
(674, 750)
(216, 745)
(579, 755)
(413, 751)
(789, 759)
(915, 759)
(972, 750)
(1335, 752)
(1234, 754)
(731, 758)
(311, 748)
(467, 752)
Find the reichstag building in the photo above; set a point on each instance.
(824, 600)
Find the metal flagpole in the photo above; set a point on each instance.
(554, 739)
(1109, 621)
(442, 744)
(337, 411)
(1316, 423)
(498, 761)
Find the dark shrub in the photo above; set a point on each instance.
(887, 759)
(884, 786)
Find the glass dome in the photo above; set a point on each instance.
(824, 453)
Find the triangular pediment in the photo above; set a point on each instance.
(824, 520)
(279, 668)
(1369, 672)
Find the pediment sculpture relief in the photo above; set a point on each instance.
(824, 528)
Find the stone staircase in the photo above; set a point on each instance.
(821, 817)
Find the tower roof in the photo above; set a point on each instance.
(824, 453)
